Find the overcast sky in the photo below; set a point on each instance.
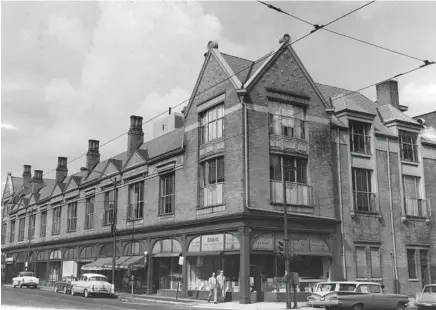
(73, 71)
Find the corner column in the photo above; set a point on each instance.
(184, 243)
(244, 262)
(149, 268)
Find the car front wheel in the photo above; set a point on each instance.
(358, 307)
(55, 289)
(86, 293)
(400, 307)
(65, 290)
(72, 291)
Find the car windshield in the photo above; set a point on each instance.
(27, 274)
(95, 278)
(345, 287)
(327, 287)
(430, 289)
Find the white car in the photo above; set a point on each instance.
(92, 284)
(25, 278)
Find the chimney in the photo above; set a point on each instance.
(93, 154)
(387, 93)
(37, 182)
(135, 135)
(27, 175)
(61, 170)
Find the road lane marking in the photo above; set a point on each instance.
(73, 300)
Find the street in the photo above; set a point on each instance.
(37, 298)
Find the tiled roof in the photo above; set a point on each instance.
(102, 165)
(390, 113)
(341, 103)
(429, 134)
(164, 144)
(240, 66)
(46, 191)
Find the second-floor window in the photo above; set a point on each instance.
(415, 206)
(167, 193)
(295, 176)
(89, 213)
(12, 234)
(109, 204)
(4, 229)
(32, 222)
(362, 193)
(360, 141)
(21, 228)
(72, 217)
(287, 120)
(211, 124)
(136, 201)
(211, 182)
(408, 145)
(56, 224)
(43, 228)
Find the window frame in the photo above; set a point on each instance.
(72, 217)
(43, 224)
(56, 221)
(32, 224)
(164, 195)
(418, 202)
(359, 136)
(412, 259)
(366, 175)
(412, 146)
(368, 273)
(89, 216)
(212, 176)
(282, 118)
(21, 229)
(135, 210)
(12, 231)
(4, 232)
(109, 207)
(362, 248)
(207, 121)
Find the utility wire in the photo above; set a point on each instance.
(323, 27)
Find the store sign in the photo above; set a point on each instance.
(263, 242)
(318, 245)
(9, 260)
(214, 243)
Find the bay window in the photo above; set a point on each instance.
(211, 124)
(211, 182)
(287, 120)
(360, 141)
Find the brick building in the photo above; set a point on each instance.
(360, 184)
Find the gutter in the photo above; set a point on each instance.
(391, 207)
(341, 209)
(241, 94)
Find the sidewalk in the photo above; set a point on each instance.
(254, 306)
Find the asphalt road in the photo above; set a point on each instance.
(25, 298)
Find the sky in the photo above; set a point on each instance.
(73, 71)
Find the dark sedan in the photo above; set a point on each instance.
(64, 285)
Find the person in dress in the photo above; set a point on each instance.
(221, 285)
(212, 289)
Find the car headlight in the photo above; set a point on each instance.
(333, 297)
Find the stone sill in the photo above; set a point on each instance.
(364, 155)
(211, 209)
(289, 205)
(168, 216)
(410, 163)
(414, 280)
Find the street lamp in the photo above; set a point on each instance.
(114, 222)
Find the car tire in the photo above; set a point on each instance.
(55, 289)
(65, 290)
(86, 293)
(400, 307)
(21, 285)
(358, 307)
(35, 287)
(72, 291)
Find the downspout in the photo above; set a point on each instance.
(341, 208)
(241, 93)
(391, 207)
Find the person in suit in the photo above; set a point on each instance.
(212, 288)
(221, 285)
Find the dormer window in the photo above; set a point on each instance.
(286, 120)
(360, 140)
(409, 147)
(211, 123)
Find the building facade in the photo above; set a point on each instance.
(358, 179)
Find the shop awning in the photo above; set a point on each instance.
(122, 262)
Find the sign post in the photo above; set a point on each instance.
(181, 259)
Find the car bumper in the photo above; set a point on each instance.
(102, 292)
(323, 303)
(425, 304)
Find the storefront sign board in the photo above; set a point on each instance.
(194, 246)
(232, 242)
(299, 243)
(263, 242)
(212, 242)
(318, 245)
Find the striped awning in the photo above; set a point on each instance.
(122, 262)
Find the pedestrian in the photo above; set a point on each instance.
(212, 289)
(221, 286)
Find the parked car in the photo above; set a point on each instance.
(355, 295)
(92, 284)
(64, 285)
(427, 298)
(25, 278)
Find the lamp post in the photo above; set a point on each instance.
(114, 222)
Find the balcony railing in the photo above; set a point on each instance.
(360, 143)
(211, 195)
(417, 207)
(296, 193)
(365, 202)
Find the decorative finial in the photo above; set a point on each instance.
(212, 44)
(286, 39)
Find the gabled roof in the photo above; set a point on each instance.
(139, 156)
(72, 181)
(240, 66)
(99, 168)
(389, 113)
(47, 190)
(342, 103)
(164, 144)
(12, 187)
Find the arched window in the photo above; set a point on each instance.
(21, 257)
(56, 255)
(107, 250)
(134, 248)
(42, 256)
(70, 254)
(88, 252)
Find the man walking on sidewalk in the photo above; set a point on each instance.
(212, 287)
